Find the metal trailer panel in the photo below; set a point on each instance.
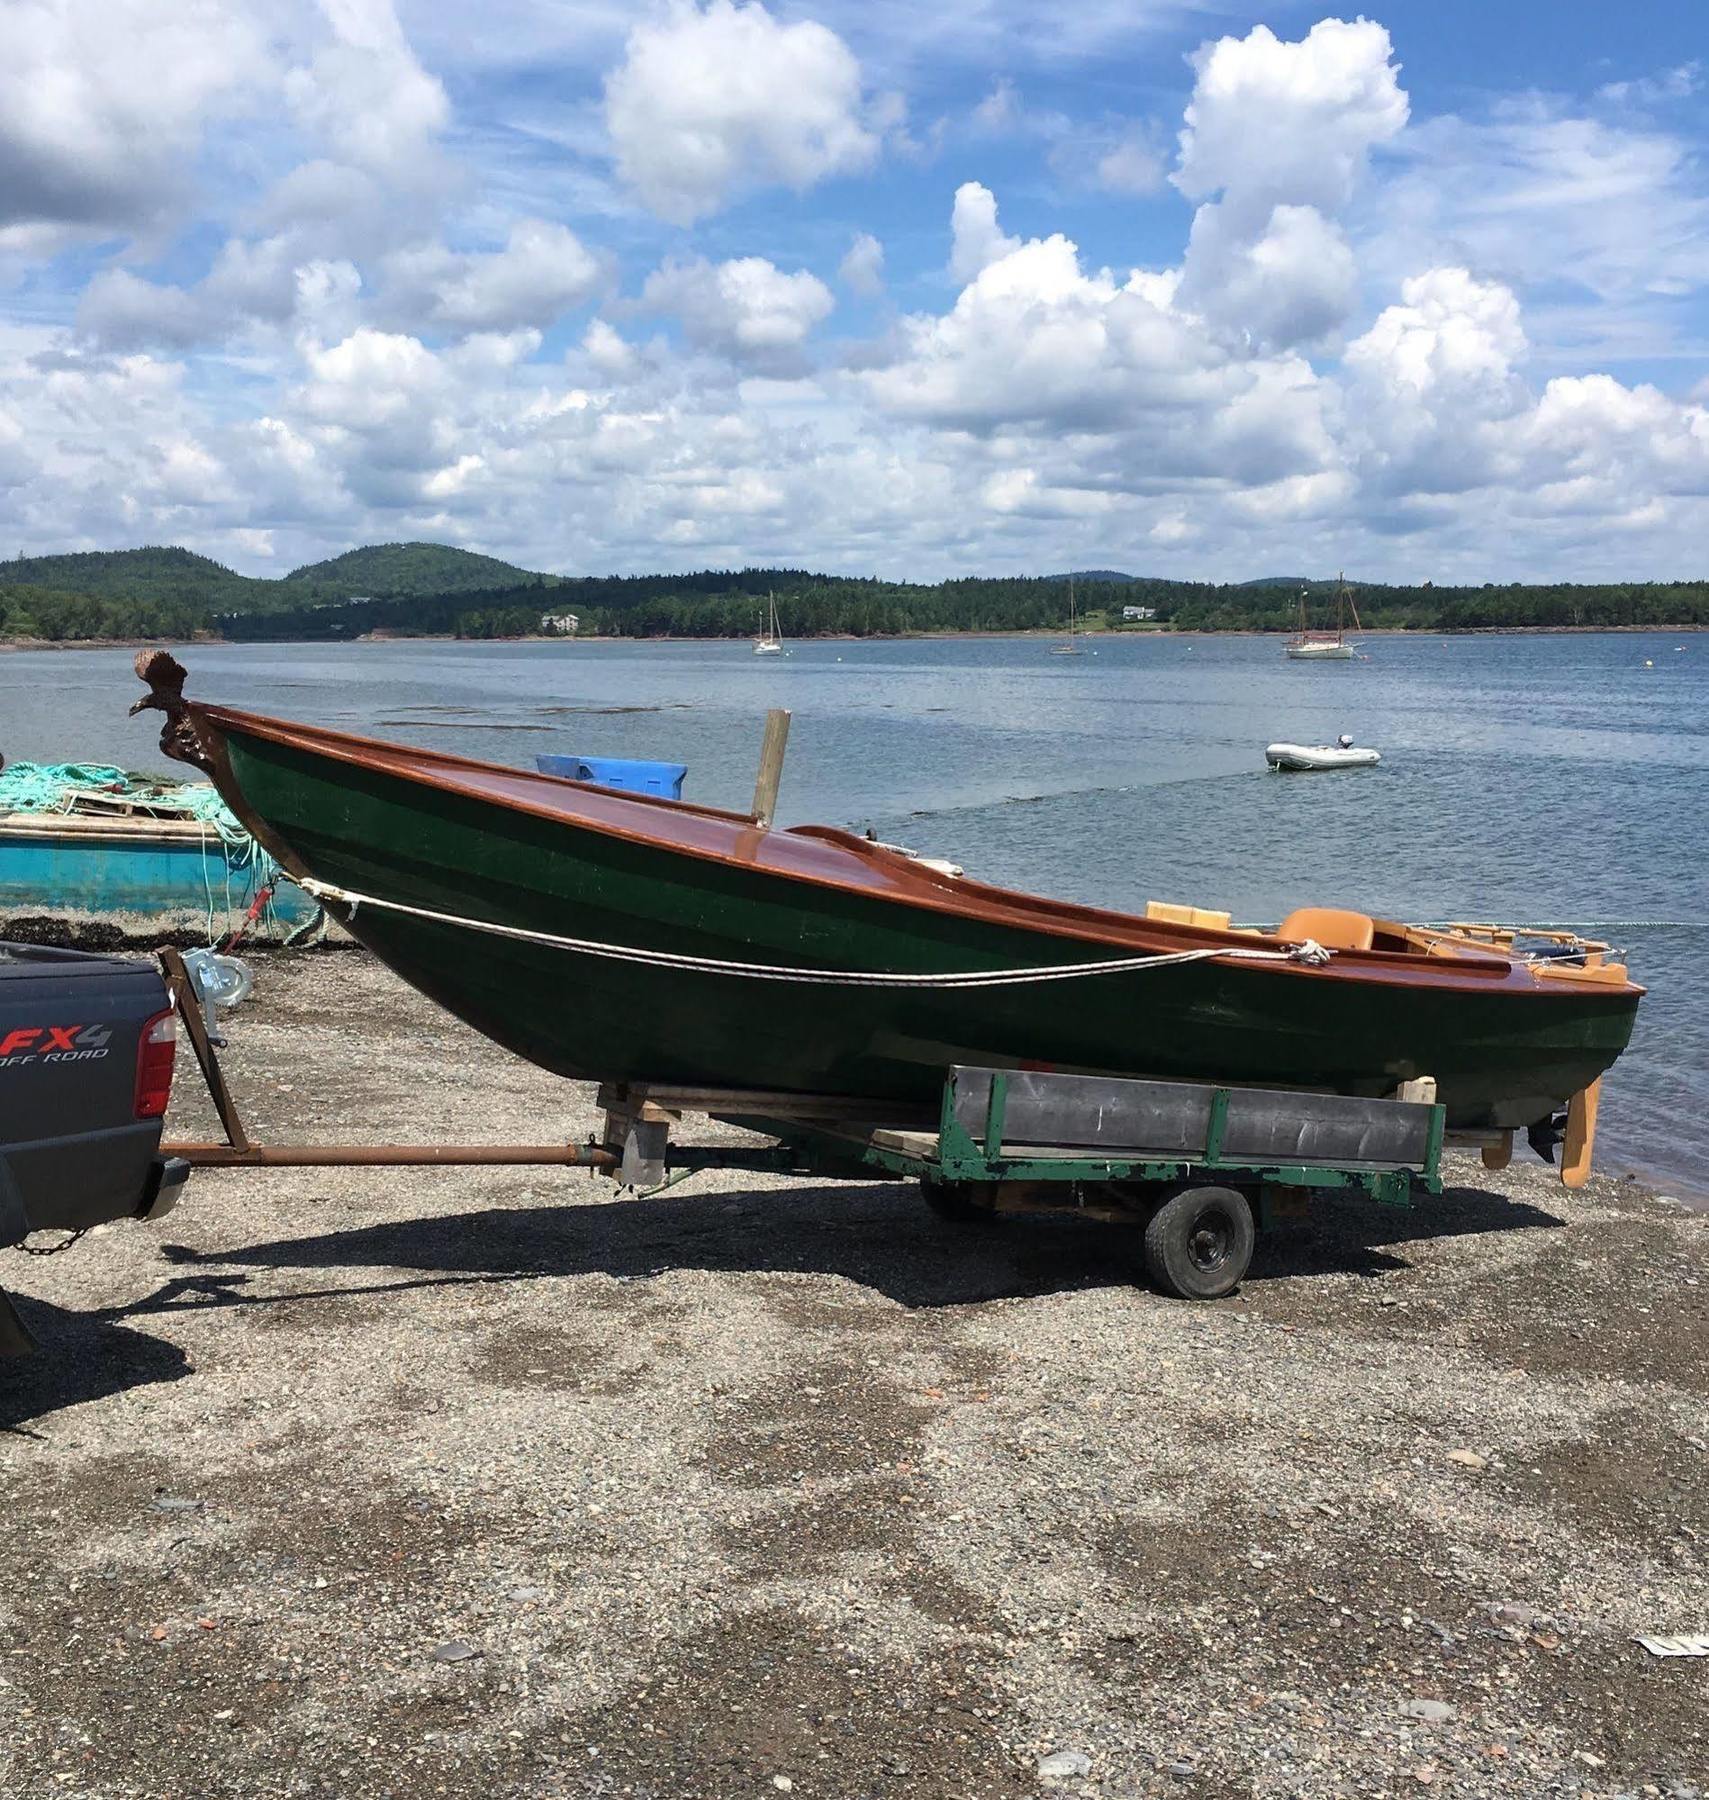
(1171, 1118)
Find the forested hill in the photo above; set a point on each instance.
(150, 575)
(154, 574)
(170, 592)
(415, 569)
(433, 589)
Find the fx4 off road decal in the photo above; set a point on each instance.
(54, 1044)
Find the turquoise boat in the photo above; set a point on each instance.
(95, 845)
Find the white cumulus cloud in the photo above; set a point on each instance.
(543, 270)
(1102, 383)
(1291, 282)
(365, 97)
(102, 107)
(747, 309)
(1290, 121)
(1434, 377)
(976, 239)
(1281, 132)
(713, 100)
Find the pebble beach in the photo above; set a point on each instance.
(488, 1481)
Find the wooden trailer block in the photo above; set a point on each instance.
(1499, 1154)
(1580, 1139)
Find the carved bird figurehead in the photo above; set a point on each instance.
(165, 674)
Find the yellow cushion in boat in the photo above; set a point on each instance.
(1166, 912)
(1328, 926)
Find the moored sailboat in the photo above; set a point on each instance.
(1069, 647)
(1307, 645)
(770, 640)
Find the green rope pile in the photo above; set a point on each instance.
(52, 787)
(55, 787)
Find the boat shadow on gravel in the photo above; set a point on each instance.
(79, 1356)
(880, 1238)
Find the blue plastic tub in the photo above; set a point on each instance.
(619, 772)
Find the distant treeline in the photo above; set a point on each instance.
(712, 605)
(722, 604)
(27, 611)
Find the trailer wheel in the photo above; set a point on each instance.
(1198, 1243)
(960, 1202)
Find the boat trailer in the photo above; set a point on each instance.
(1195, 1168)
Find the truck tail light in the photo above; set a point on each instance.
(155, 1051)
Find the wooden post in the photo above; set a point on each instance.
(771, 765)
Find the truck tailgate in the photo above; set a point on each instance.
(70, 1141)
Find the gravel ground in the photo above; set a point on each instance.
(481, 1482)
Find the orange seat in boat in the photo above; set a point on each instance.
(1328, 926)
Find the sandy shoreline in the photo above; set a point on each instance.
(367, 1483)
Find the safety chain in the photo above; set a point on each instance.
(64, 1243)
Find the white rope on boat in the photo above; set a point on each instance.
(1310, 953)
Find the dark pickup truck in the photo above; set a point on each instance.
(86, 1053)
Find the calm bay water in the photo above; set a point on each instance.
(1549, 779)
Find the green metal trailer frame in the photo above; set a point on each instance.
(1200, 1202)
(961, 1157)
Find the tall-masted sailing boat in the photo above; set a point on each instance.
(1068, 647)
(1327, 646)
(770, 640)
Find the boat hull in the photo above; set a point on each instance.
(1502, 1052)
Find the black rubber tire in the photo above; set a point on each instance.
(1198, 1243)
(960, 1202)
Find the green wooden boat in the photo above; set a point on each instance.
(624, 937)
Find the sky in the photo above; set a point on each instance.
(863, 286)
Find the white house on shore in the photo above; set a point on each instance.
(1138, 613)
(559, 624)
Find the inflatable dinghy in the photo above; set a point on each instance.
(1319, 756)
